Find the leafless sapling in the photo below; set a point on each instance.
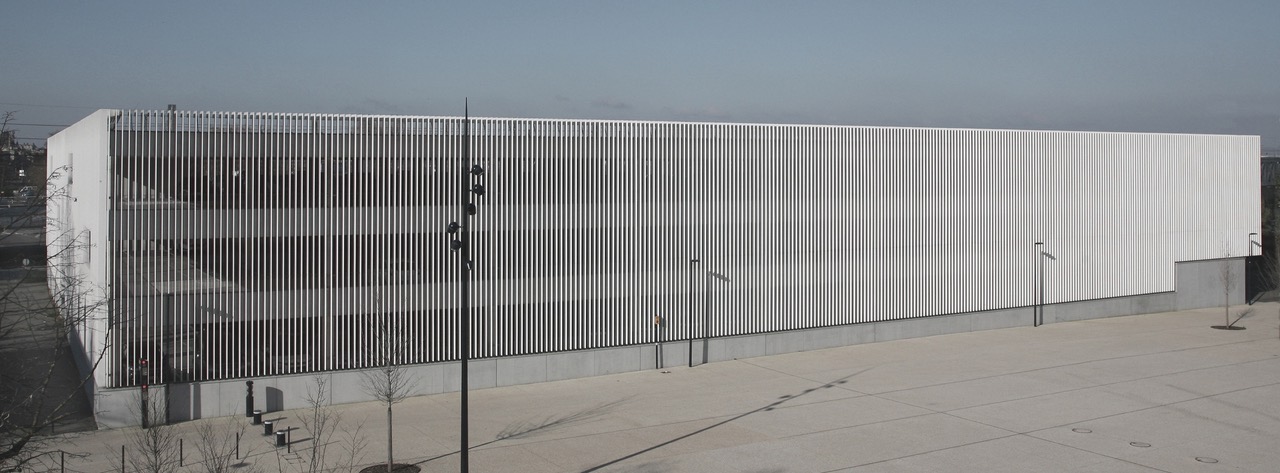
(389, 382)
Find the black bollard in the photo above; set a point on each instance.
(279, 438)
(257, 417)
(266, 428)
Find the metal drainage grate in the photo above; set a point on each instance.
(1206, 460)
(1140, 444)
(1082, 431)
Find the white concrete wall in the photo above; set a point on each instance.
(77, 233)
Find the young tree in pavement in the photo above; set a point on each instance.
(154, 449)
(323, 423)
(390, 382)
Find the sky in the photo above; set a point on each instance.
(1133, 65)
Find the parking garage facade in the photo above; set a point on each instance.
(216, 247)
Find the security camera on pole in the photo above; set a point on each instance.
(459, 243)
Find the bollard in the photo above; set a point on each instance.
(280, 438)
(257, 417)
(266, 428)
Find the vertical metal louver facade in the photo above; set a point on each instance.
(248, 245)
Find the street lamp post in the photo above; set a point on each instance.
(691, 305)
(1037, 314)
(461, 228)
(1249, 263)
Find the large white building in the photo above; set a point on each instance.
(225, 247)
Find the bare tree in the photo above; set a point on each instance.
(324, 424)
(40, 390)
(155, 449)
(158, 448)
(321, 421)
(6, 139)
(218, 442)
(390, 382)
(1228, 280)
(353, 445)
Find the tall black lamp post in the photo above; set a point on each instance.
(1037, 314)
(691, 305)
(459, 228)
(1249, 264)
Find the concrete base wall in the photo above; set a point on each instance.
(1200, 285)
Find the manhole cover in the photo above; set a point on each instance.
(1140, 444)
(1082, 431)
(1206, 460)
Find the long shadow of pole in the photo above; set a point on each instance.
(769, 407)
(522, 429)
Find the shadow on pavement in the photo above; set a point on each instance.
(40, 384)
(526, 428)
(769, 407)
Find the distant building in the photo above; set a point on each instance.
(1270, 202)
(273, 247)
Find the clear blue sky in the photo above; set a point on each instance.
(1164, 66)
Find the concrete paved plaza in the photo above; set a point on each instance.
(1158, 392)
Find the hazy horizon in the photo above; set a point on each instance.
(1140, 66)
